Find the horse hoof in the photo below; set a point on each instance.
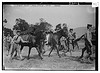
(65, 55)
(80, 57)
(28, 58)
(59, 56)
(21, 59)
(41, 58)
(48, 55)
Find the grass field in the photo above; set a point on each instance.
(48, 63)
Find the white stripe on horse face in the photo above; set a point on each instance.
(47, 37)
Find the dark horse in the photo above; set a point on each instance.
(55, 40)
(34, 41)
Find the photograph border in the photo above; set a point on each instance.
(55, 3)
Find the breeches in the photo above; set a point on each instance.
(15, 47)
(88, 49)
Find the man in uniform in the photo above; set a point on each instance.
(88, 43)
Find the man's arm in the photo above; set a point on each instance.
(18, 40)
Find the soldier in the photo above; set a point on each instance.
(88, 43)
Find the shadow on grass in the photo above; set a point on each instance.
(32, 57)
(76, 58)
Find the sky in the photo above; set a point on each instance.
(74, 16)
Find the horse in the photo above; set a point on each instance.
(55, 40)
(34, 41)
(75, 43)
(34, 35)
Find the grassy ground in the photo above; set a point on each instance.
(48, 63)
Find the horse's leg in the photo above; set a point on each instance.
(68, 44)
(89, 52)
(42, 48)
(73, 44)
(21, 48)
(40, 56)
(77, 45)
(70, 52)
(57, 47)
(40, 51)
(29, 52)
(64, 50)
(51, 50)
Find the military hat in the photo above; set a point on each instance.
(70, 29)
(89, 25)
